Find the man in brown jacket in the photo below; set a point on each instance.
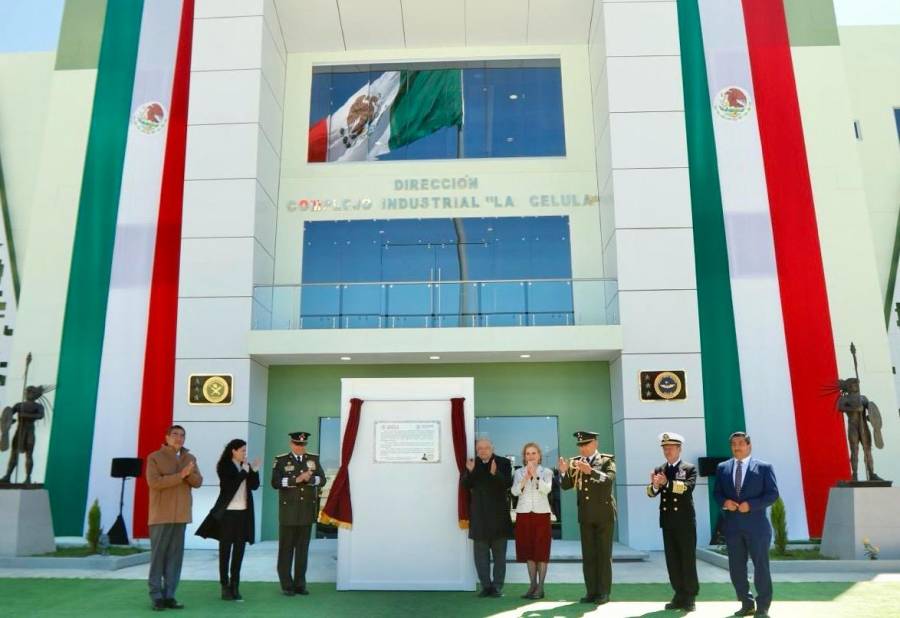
(171, 473)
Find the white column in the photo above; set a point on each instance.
(228, 231)
(642, 168)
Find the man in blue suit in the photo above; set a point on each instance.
(745, 488)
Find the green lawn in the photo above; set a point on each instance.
(96, 597)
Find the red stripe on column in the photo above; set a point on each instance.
(159, 357)
(804, 299)
(317, 151)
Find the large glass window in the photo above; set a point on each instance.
(396, 273)
(437, 111)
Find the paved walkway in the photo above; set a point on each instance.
(259, 565)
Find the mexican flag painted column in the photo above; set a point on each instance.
(394, 110)
(750, 181)
(125, 255)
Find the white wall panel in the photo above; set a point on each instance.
(648, 139)
(220, 208)
(227, 43)
(652, 198)
(224, 97)
(645, 84)
(660, 321)
(212, 327)
(221, 151)
(641, 28)
(656, 259)
(216, 267)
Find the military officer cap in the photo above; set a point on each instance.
(671, 438)
(299, 437)
(583, 437)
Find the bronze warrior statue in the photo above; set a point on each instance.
(28, 412)
(860, 414)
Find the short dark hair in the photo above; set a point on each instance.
(739, 434)
(173, 428)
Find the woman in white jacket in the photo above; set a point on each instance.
(532, 484)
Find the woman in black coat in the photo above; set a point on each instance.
(231, 518)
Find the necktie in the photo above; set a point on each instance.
(738, 477)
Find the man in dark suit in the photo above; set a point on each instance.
(745, 488)
(298, 477)
(488, 478)
(674, 482)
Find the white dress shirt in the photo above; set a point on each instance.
(745, 463)
(533, 493)
(239, 501)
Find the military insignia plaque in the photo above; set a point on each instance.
(663, 386)
(205, 389)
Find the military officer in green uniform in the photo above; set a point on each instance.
(674, 483)
(298, 477)
(593, 475)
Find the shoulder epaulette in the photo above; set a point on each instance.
(608, 455)
(282, 455)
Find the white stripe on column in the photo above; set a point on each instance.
(759, 326)
(125, 335)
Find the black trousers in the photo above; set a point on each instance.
(680, 545)
(596, 557)
(293, 550)
(231, 547)
(484, 549)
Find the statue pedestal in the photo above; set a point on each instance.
(857, 513)
(26, 527)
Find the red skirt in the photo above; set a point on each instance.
(533, 537)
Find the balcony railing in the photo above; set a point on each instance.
(436, 304)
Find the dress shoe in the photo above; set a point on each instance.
(530, 592)
(236, 593)
(588, 598)
(496, 593)
(301, 590)
(675, 603)
(288, 593)
(485, 592)
(601, 599)
(158, 605)
(747, 610)
(227, 594)
(173, 604)
(689, 606)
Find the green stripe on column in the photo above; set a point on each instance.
(811, 23)
(8, 239)
(722, 400)
(80, 34)
(69, 458)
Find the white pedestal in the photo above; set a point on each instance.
(857, 513)
(26, 527)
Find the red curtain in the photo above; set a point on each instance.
(458, 427)
(338, 509)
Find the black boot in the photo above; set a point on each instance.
(227, 594)
(235, 592)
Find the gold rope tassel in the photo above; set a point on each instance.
(331, 521)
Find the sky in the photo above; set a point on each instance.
(29, 25)
(33, 25)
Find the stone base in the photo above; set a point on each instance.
(25, 522)
(881, 483)
(857, 513)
